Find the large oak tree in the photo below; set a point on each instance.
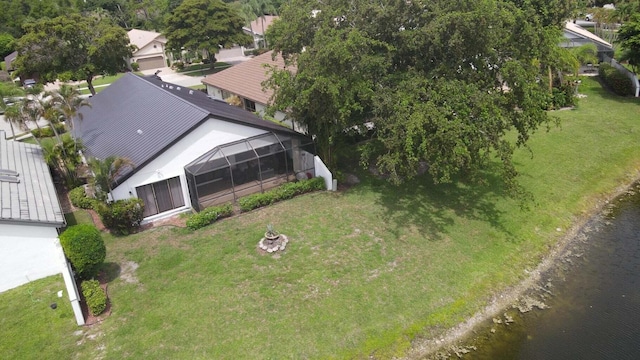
(205, 25)
(455, 84)
(72, 47)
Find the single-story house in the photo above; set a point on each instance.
(151, 49)
(576, 36)
(30, 219)
(9, 59)
(258, 27)
(245, 81)
(189, 151)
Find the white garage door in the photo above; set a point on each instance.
(151, 63)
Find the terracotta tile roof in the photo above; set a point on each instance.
(245, 79)
(256, 25)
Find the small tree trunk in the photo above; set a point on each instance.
(90, 84)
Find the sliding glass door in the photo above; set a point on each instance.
(161, 196)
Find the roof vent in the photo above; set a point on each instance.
(9, 176)
(190, 92)
(139, 132)
(8, 172)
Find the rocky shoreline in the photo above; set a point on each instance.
(524, 296)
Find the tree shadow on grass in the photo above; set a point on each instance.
(111, 270)
(433, 209)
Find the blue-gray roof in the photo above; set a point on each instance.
(27, 192)
(163, 112)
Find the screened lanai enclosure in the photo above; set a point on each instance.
(244, 167)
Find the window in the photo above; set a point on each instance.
(249, 105)
(161, 196)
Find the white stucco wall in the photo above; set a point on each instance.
(260, 108)
(171, 163)
(149, 51)
(27, 253)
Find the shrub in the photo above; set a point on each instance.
(135, 66)
(615, 80)
(208, 216)
(79, 198)
(95, 296)
(122, 216)
(47, 131)
(286, 191)
(84, 247)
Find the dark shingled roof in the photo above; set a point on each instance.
(140, 117)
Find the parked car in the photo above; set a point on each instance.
(29, 83)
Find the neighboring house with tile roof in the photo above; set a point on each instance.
(30, 219)
(189, 151)
(245, 81)
(258, 27)
(576, 36)
(151, 52)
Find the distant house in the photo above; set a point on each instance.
(189, 151)
(576, 36)
(30, 218)
(258, 27)
(9, 59)
(151, 46)
(245, 81)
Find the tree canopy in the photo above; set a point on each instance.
(629, 40)
(205, 25)
(442, 82)
(72, 48)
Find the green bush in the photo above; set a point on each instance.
(135, 66)
(615, 80)
(84, 247)
(208, 216)
(47, 131)
(95, 296)
(122, 216)
(283, 192)
(79, 198)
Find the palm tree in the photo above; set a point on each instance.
(32, 111)
(13, 115)
(107, 171)
(68, 100)
(260, 8)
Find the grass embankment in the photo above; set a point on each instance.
(365, 271)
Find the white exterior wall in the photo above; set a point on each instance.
(322, 170)
(27, 253)
(216, 92)
(149, 51)
(171, 163)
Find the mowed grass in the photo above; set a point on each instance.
(366, 270)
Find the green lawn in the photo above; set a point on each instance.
(365, 271)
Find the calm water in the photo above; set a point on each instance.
(595, 308)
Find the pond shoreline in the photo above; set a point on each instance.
(442, 345)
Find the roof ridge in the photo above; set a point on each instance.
(143, 78)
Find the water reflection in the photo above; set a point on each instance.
(595, 312)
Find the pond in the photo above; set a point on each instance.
(593, 298)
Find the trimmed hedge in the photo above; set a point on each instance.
(121, 217)
(45, 132)
(95, 296)
(283, 192)
(84, 247)
(79, 198)
(208, 216)
(615, 80)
